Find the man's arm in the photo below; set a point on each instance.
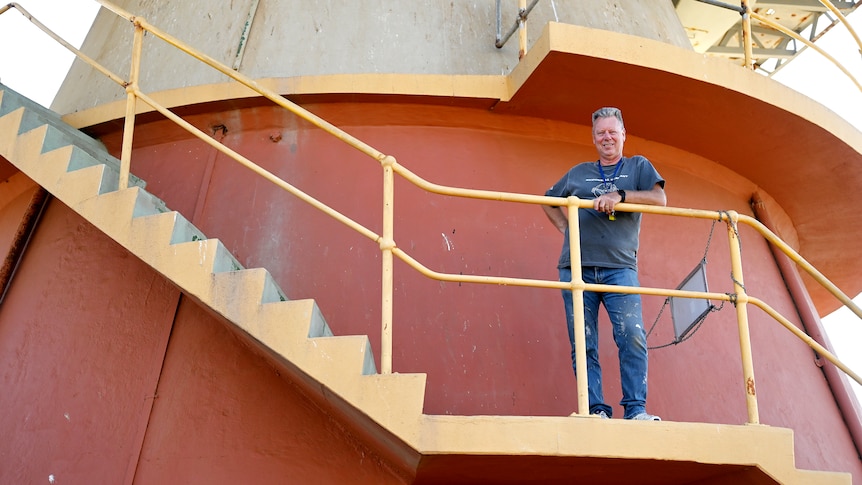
(606, 202)
(557, 217)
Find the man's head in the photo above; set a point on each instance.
(609, 134)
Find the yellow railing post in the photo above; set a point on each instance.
(746, 35)
(131, 106)
(742, 317)
(577, 288)
(387, 244)
(522, 28)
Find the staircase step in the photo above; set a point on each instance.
(238, 295)
(191, 265)
(44, 169)
(60, 134)
(98, 179)
(408, 390)
(163, 229)
(113, 212)
(9, 124)
(282, 324)
(345, 355)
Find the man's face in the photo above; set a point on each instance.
(609, 137)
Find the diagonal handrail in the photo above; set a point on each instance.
(387, 244)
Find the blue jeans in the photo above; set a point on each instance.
(627, 322)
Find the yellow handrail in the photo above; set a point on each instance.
(390, 167)
(258, 169)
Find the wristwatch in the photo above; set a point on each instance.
(622, 195)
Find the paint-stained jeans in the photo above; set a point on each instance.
(627, 322)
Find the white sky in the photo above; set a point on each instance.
(35, 65)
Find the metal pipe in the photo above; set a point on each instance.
(499, 25)
(243, 38)
(742, 319)
(131, 107)
(501, 40)
(387, 244)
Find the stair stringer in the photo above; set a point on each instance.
(340, 368)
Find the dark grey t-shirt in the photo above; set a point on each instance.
(606, 243)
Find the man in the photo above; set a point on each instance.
(609, 244)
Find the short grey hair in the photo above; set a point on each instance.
(609, 112)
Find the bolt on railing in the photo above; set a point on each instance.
(389, 249)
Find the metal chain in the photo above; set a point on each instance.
(660, 311)
(709, 239)
(712, 308)
(738, 283)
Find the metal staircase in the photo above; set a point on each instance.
(79, 172)
(75, 169)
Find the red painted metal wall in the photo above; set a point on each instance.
(109, 376)
(488, 349)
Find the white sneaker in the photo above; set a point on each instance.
(644, 417)
(600, 414)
